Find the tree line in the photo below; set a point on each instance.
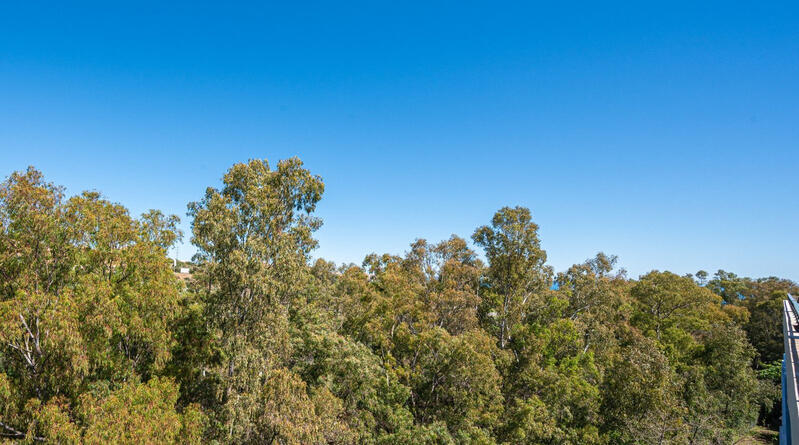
(100, 342)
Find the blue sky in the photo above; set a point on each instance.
(663, 133)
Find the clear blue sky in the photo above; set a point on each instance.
(665, 134)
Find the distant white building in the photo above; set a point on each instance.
(184, 270)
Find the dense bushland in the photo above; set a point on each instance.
(101, 343)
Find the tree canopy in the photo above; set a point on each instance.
(450, 342)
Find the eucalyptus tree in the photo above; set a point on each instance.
(517, 275)
(253, 237)
(87, 303)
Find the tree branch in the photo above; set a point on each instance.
(17, 434)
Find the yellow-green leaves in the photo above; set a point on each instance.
(100, 343)
(253, 238)
(517, 273)
(136, 413)
(87, 297)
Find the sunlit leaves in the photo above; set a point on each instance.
(99, 342)
(87, 298)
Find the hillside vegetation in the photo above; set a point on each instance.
(100, 342)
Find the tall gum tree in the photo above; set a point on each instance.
(517, 273)
(253, 236)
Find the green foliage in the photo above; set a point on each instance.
(101, 343)
(517, 273)
(87, 301)
(135, 413)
